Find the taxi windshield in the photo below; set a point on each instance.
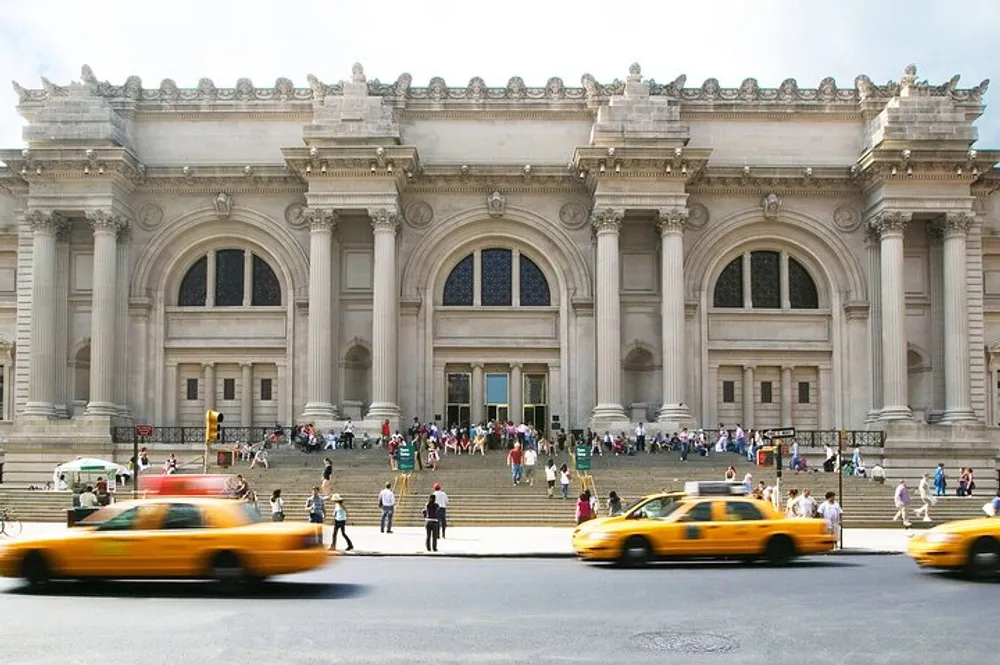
(250, 513)
(655, 509)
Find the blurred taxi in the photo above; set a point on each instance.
(971, 546)
(181, 537)
(714, 520)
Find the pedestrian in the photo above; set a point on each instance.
(327, 478)
(832, 514)
(431, 525)
(316, 507)
(387, 502)
(442, 512)
(926, 498)
(530, 459)
(614, 504)
(584, 511)
(340, 523)
(940, 481)
(564, 477)
(514, 458)
(550, 477)
(805, 505)
(277, 507)
(901, 499)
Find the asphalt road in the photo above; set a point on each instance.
(872, 610)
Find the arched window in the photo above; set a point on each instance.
(229, 281)
(766, 278)
(459, 287)
(497, 270)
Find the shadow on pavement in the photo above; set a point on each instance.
(193, 589)
(696, 565)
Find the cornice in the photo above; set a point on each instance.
(896, 160)
(400, 163)
(654, 162)
(799, 180)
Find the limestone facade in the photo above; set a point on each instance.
(602, 254)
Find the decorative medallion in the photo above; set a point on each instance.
(223, 204)
(697, 216)
(573, 215)
(149, 216)
(771, 204)
(846, 219)
(419, 214)
(495, 204)
(295, 217)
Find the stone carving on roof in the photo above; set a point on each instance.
(477, 91)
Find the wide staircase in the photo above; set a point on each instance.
(482, 494)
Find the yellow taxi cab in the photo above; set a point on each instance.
(971, 546)
(714, 520)
(182, 537)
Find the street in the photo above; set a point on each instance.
(846, 609)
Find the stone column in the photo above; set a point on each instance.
(283, 396)
(607, 224)
(385, 317)
(958, 398)
(246, 395)
(786, 396)
(248, 278)
(478, 393)
(319, 379)
(173, 390)
(748, 396)
(872, 242)
(104, 313)
(892, 226)
(121, 323)
(209, 381)
(516, 393)
(671, 225)
(41, 383)
(210, 268)
(64, 388)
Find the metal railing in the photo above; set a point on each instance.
(189, 435)
(851, 438)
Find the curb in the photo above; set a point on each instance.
(555, 555)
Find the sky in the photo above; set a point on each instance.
(730, 40)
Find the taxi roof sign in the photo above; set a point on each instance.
(713, 488)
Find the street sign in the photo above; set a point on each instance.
(582, 455)
(787, 433)
(405, 457)
(144, 430)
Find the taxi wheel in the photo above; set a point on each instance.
(780, 550)
(636, 552)
(35, 569)
(228, 570)
(984, 559)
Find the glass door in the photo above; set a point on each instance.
(536, 408)
(498, 397)
(458, 409)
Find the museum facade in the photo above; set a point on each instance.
(600, 255)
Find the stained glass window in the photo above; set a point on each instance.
(801, 287)
(765, 280)
(194, 286)
(729, 286)
(497, 274)
(459, 285)
(266, 289)
(229, 278)
(534, 286)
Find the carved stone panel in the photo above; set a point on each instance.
(419, 214)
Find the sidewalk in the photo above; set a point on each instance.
(514, 542)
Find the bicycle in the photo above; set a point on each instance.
(9, 525)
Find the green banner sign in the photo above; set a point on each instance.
(405, 457)
(582, 457)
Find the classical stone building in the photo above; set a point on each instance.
(611, 253)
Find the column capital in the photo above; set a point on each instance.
(46, 221)
(749, 368)
(478, 365)
(956, 223)
(671, 220)
(516, 365)
(208, 365)
(890, 222)
(787, 368)
(384, 219)
(246, 365)
(103, 221)
(321, 219)
(607, 220)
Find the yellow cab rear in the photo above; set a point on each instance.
(707, 520)
(179, 537)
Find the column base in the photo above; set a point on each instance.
(101, 410)
(381, 411)
(957, 416)
(39, 410)
(674, 416)
(873, 416)
(896, 413)
(608, 417)
(319, 411)
(62, 411)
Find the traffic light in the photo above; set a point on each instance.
(212, 420)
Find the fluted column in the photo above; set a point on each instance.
(320, 350)
(957, 388)
(246, 395)
(786, 396)
(891, 227)
(385, 316)
(607, 224)
(121, 323)
(516, 393)
(41, 383)
(872, 243)
(209, 381)
(64, 387)
(748, 395)
(671, 225)
(103, 313)
(478, 394)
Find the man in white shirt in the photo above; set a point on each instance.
(530, 459)
(805, 505)
(88, 499)
(441, 499)
(832, 514)
(640, 438)
(387, 502)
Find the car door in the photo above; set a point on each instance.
(120, 546)
(692, 532)
(743, 527)
(181, 540)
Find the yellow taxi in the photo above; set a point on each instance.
(970, 546)
(184, 537)
(713, 520)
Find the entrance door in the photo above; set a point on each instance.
(536, 407)
(458, 409)
(498, 397)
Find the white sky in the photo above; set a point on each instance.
(727, 39)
